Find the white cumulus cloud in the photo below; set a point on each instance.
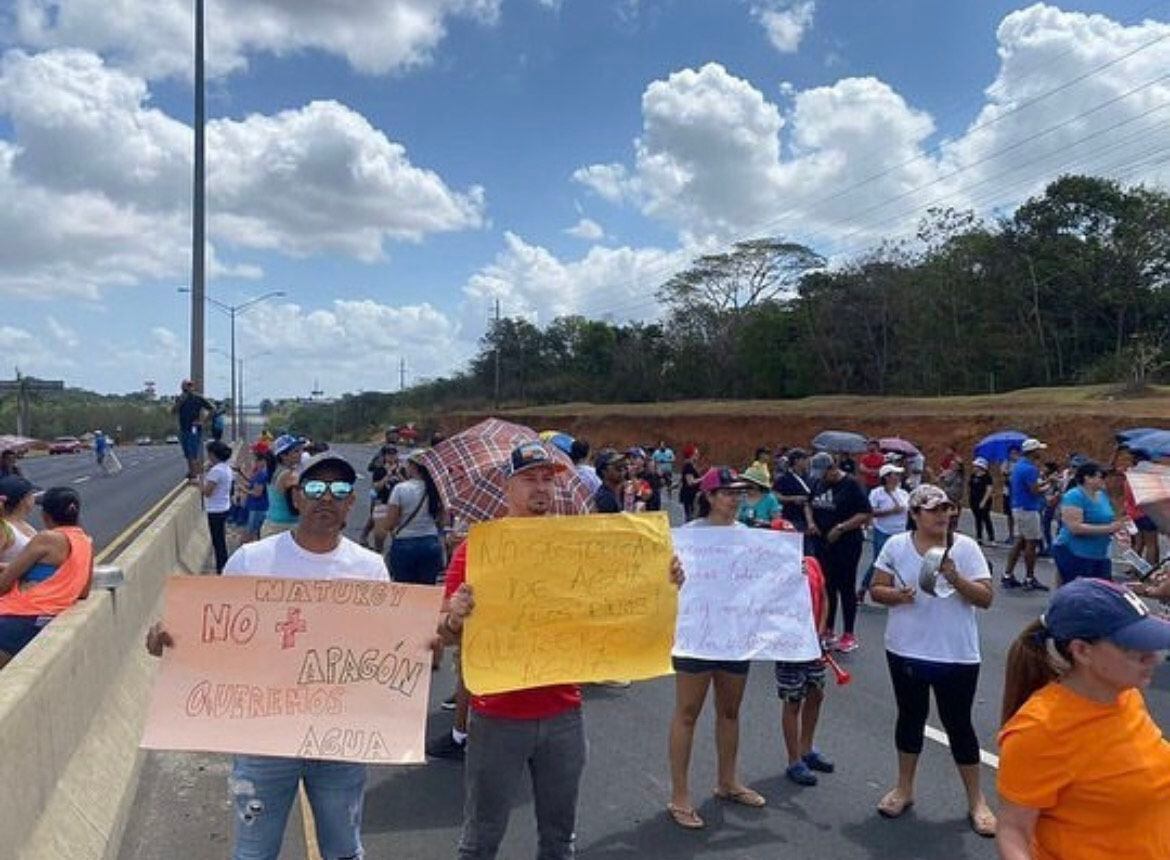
(154, 39)
(587, 229)
(96, 182)
(845, 164)
(785, 22)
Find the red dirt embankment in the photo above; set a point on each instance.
(1081, 419)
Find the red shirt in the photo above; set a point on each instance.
(873, 461)
(537, 703)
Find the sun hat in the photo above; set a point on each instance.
(890, 469)
(757, 475)
(1092, 609)
(286, 443)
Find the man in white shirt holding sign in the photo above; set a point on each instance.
(263, 787)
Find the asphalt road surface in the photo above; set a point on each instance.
(110, 503)
(415, 812)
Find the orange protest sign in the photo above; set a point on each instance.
(325, 669)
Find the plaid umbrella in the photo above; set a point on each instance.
(1151, 491)
(468, 469)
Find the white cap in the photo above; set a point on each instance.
(1032, 445)
(979, 463)
(890, 469)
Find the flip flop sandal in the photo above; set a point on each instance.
(983, 825)
(889, 810)
(744, 797)
(685, 818)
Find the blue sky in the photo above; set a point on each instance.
(396, 173)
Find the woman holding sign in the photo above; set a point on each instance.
(932, 643)
(723, 491)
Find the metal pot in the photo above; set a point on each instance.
(929, 580)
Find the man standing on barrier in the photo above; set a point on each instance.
(540, 729)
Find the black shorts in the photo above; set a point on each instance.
(697, 666)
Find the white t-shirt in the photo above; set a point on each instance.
(941, 629)
(220, 500)
(881, 499)
(409, 496)
(282, 557)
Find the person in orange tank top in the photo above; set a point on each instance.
(51, 573)
(1084, 772)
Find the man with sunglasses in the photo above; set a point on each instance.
(263, 787)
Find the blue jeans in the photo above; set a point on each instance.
(417, 559)
(263, 788)
(879, 540)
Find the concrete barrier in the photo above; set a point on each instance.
(73, 702)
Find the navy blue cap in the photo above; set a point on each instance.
(607, 457)
(1092, 609)
(16, 487)
(529, 455)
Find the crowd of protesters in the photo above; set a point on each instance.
(1072, 694)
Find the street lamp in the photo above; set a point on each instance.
(241, 359)
(232, 311)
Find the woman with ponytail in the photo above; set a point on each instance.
(1084, 772)
(51, 573)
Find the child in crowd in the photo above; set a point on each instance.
(801, 688)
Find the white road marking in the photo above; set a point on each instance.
(82, 479)
(989, 759)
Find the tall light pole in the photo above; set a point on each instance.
(198, 213)
(232, 311)
(241, 360)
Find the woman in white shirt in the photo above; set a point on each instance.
(414, 516)
(217, 489)
(932, 643)
(890, 504)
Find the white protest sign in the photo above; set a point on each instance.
(745, 596)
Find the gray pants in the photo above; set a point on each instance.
(498, 750)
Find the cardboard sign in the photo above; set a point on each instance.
(326, 669)
(568, 599)
(745, 596)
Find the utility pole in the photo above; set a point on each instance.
(402, 373)
(198, 244)
(496, 397)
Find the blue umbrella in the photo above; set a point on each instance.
(1126, 437)
(1154, 445)
(995, 448)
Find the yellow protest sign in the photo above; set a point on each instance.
(568, 599)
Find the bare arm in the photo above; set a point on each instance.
(976, 592)
(46, 547)
(1015, 826)
(885, 591)
(1073, 518)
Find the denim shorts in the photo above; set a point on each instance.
(697, 665)
(417, 560)
(16, 631)
(191, 443)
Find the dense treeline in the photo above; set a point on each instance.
(73, 412)
(1070, 288)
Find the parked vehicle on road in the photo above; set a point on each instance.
(172, 439)
(143, 440)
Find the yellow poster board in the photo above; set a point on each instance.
(568, 599)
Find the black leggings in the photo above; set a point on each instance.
(983, 523)
(954, 694)
(215, 524)
(839, 563)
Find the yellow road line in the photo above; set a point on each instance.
(310, 825)
(104, 555)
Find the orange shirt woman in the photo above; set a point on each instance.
(1084, 771)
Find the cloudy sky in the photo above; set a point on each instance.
(395, 167)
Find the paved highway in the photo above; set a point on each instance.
(110, 503)
(415, 812)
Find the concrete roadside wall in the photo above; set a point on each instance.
(72, 704)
